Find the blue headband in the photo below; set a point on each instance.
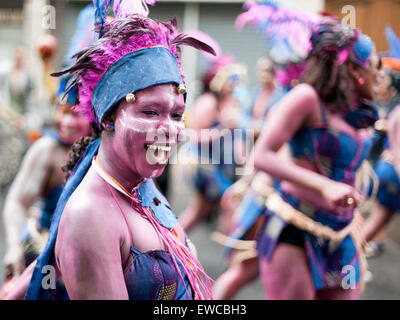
(135, 71)
(363, 49)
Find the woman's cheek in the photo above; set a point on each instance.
(181, 132)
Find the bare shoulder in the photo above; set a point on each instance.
(305, 94)
(208, 98)
(204, 112)
(302, 101)
(42, 147)
(45, 143)
(394, 121)
(205, 103)
(88, 217)
(86, 210)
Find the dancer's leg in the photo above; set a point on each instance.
(236, 277)
(339, 294)
(287, 275)
(378, 218)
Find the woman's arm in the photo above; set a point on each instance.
(25, 190)
(300, 107)
(88, 251)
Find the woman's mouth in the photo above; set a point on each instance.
(157, 154)
(69, 132)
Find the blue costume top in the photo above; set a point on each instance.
(152, 275)
(389, 185)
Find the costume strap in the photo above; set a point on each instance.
(111, 181)
(323, 112)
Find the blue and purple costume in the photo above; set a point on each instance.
(337, 155)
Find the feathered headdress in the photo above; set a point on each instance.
(391, 58)
(123, 37)
(84, 35)
(292, 36)
(288, 32)
(220, 65)
(394, 43)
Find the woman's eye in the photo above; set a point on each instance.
(150, 113)
(177, 116)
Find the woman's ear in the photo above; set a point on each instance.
(392, 91)
(353, 71)
(108, 123)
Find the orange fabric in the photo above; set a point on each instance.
(391, 63)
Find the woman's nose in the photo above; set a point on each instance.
(169, 128)
(66, 120)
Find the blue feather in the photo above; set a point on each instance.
(84, 33)
(394, 42)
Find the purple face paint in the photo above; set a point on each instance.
(146, 132)
(71, 124)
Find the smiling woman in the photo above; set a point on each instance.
(114, 235)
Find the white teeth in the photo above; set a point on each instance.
(158, 147)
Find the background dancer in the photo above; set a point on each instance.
(216, 113)
(40, 178)
(317, 183)
(387, 200)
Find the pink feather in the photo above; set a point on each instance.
(124, 8)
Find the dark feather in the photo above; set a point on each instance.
(183, 39)
(76, 67)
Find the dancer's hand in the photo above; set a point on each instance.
(341, 196)
(234, 194)
(14, 261)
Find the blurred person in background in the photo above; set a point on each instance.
(243, 203)
(243, 268)
(36, 189)
(19, 84)
(260, 96)
(214, 116)
(386, 147)
(34, 193)
(15, 92)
